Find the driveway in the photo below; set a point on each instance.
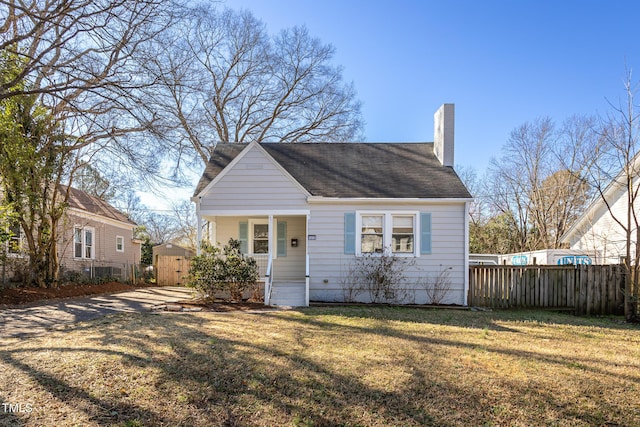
(39, 317)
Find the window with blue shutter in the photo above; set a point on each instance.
(282, 239)
(243, 237)
(350, 233)
(425, 233)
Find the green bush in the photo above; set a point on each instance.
(229, 270)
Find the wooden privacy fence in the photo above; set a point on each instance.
(585, 289)
(171, 270)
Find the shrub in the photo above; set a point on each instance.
(437, 286)
(229, 270)
(381, 275)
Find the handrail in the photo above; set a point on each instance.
(268, 281)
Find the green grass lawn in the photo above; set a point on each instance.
(358, 366)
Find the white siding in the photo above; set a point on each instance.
(255, 182)
(602, 235)
(329, 263)
(256, 185)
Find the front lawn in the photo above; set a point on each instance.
(326, 366)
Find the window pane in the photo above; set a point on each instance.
(371, 243)
(402, 237)
(77, 243)
(372, 222)
(260, 246)
(14, 240)
(403, 221)
(371, 236)
(88, 244)
(402, 243)
(261, 231)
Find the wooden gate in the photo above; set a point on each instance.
(172, 270)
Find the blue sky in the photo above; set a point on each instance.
(502, 63)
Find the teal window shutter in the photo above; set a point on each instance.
(350, 233)
(282, 238)
(243, 237)
(425, 233)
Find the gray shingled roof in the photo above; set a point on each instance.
(371, 170)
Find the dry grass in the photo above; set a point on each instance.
(327, 366)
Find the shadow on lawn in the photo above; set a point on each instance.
(209, 375)
(468, 318)
(474, 320)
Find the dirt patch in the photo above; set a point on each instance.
(17, 296)
(221, 305)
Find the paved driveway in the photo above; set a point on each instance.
(38, 317)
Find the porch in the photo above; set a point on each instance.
(277, 242)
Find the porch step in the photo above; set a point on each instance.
(288, 293)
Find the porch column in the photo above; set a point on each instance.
(307, 262)
(199, 230)
(271, 238)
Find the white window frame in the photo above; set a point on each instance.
(83, 235)
(19, 238)
(250, 235)
(120, 242)
(387, 232)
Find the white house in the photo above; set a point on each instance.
(306, 211)
(597, 230)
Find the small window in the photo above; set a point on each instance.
(402, 234)
(372, 234)
(119, 244)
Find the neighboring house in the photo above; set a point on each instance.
(310, 209)
(97, 239)
(597, 232)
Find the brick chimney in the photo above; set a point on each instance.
(443, 130)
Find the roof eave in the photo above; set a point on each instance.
(388, 200)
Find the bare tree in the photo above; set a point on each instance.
(616, 183)
(224, 79)
(82, 60)
(539, 182)
(68, 84)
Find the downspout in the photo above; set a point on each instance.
(466, 253)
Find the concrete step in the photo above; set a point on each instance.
(288, 293)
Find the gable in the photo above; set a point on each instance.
(355, 170)
(94, 206)
(252, 180)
